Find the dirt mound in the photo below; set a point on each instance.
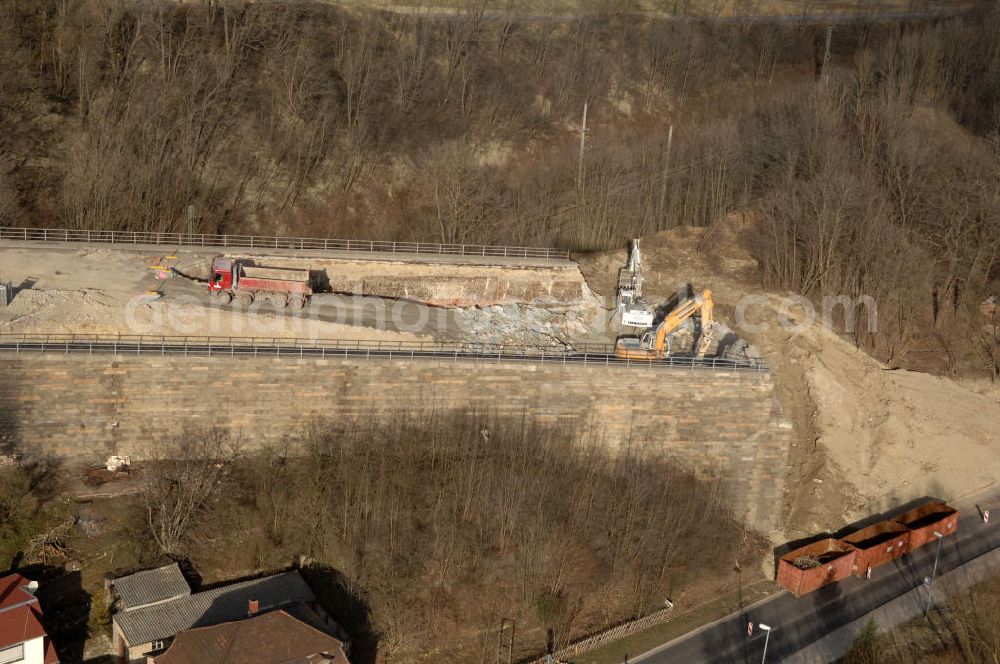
(711, 257)
(898, 435)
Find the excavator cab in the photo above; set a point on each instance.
(640, 348)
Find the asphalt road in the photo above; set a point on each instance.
(797, 622)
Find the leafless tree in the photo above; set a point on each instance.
(181, 478)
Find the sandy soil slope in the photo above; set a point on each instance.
(901, 434)
(867, 438)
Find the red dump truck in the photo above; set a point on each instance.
(245, 281)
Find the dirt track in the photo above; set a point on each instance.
(100, 290)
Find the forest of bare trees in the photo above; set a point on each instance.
(878, 176)
(444, 524)
(425, 530)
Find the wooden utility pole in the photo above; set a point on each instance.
(583, 145)
(666, 169)
(825, 74)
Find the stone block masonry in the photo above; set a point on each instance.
(88, 407)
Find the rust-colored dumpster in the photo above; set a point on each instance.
(878, 544)
(815, 565)
(924, 519)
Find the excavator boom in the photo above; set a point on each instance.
(633, 309)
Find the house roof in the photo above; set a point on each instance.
(50, 656)
(151, 586)
(14, 591)
(270, 638)
(161, 621)
(21, 615)
(20, 624)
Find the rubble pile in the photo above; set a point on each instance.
(519, 325)
(725, 342)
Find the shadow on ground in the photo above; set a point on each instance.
(343, 604)
(65, 608)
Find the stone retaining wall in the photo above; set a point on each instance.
(88, 407)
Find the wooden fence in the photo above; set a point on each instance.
(607, 636)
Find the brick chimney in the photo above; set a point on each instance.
(253, 607)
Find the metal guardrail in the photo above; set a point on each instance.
(274, 242)
(590, 354)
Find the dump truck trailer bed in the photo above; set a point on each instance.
(274, 273)
(274, 286)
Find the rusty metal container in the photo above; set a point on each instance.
(815, 565)
(878, 544)
(924, 519)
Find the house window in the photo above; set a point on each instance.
(157, 646)
(12, 654)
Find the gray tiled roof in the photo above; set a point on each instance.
(151, 586)
(211, 607)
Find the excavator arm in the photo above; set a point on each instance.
(674, 319)
(655, 348)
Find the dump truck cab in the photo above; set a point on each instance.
(221, 278)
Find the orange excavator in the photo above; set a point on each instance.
(653, 344)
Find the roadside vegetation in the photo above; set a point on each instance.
(424, 531)
(966, 628)
(447, 523)
(31, 520)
